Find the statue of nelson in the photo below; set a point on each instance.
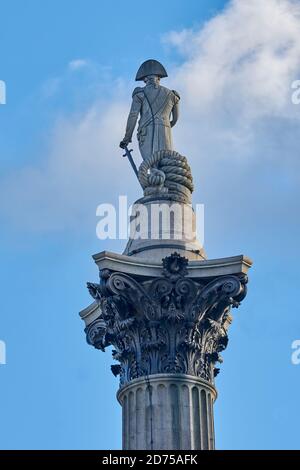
(157, 107)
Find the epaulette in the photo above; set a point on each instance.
(138, 89)
(176, 93)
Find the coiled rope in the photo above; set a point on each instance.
(167, 168)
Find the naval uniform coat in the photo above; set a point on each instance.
(155, 105)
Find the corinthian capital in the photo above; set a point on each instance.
(169, 324)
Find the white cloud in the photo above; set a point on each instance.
(76, 64)
(238, 124)
(80, 169)
(247, 56)
(238, 127)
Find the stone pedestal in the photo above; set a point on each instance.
(167, 412)
(159, 227)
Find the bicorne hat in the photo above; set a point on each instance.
(151, 67)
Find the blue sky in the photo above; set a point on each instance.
(69, 69)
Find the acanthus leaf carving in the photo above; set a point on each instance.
(170, 324)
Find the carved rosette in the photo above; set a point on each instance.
(171, 324)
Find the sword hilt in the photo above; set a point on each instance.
(131, 161)
(127, 151)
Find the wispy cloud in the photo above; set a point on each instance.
(79, 171)
(242, 63)
(238, 124)
(77, 64)
(238, 127)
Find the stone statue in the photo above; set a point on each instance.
(157, 107)
(164, 173)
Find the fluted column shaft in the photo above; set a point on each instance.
(168, 412)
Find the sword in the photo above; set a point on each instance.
(129, 156)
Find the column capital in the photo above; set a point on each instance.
(171, 324)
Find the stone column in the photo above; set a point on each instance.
(162, 305)
(168, 323)
(168, 412)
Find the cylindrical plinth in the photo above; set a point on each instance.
(168, 412)
(160, 227)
